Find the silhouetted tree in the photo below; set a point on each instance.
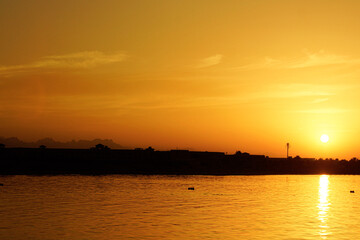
(246, 154)
(100, 147)
(150, 149)
(238, 153)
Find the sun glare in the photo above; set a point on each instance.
(324, 138)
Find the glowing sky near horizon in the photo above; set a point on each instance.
(201, 75)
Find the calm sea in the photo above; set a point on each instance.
(162, 207)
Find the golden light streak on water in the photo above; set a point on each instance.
(323, 206)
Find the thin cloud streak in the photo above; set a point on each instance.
(118, 104)
(295, 90)
(324, 111)
(85, 59)
(316, 59)
(210, 61)
(290, 92)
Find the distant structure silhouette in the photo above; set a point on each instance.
(2, 145)
(42, 146)
(287, 149)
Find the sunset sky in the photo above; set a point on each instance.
(248, 75)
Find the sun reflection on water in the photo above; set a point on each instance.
(323, 206)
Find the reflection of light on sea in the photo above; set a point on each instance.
(323, 205)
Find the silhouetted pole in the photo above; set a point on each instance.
(287, 150)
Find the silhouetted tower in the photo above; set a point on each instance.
(287, 150)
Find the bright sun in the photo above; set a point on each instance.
(324, 138)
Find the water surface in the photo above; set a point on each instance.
(162, 207)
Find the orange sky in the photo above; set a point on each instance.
(231, 75)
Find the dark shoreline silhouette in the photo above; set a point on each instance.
(101, 160)
(51, 143)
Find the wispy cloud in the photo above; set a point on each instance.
(315, 59)
(275, 93)
(210, 61)
(296, 90)
(85, 59)
(324, 111)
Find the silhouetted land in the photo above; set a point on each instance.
(102, 160)
(51, 143)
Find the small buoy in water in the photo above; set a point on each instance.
(352, 191)
(191, 188)
(1, 184)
